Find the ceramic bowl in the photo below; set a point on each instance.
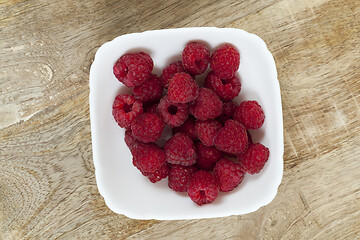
(122, 186)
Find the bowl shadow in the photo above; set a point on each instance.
(123, 90)
(257, 135)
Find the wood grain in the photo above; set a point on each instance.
(47, 183)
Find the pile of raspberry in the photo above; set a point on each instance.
(210, 149)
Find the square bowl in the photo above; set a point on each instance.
(122, 186)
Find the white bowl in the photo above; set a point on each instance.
(122, 186)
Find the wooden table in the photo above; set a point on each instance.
(47, 182)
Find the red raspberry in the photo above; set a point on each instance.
(174, 114)
(250, 142)
(148, 127)
(250, 114)
(207, 106)
(203, 187)
(130, 140)
(207, 130)
(125, 109)
(182, 88)
(195, 58)
(207, 156)
(148, 157)
(133, 69)
(254, 159)
(179, 177)
(231, 138)
(163, 172)
(170, 71)
(226, 89)
(180, 149)
(225, 61)
(147, 57)
(228, 174)
(227, 111)
(188, 127)
(149, 91)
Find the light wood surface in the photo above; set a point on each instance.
(47, 182)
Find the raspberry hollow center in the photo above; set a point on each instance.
(172, 109)
(127, 108)
(224, 81)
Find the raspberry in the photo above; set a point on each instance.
(207, 106)
(147, 57)
(227, 111)
(148, 157)
(254, 159)
(174, 114)
(228, 174)
(207, 130)
(182, 88)
(130, 140)
(156, 176)
(179, 177)
(125, 109)
(231, 138)
(225, 61)
(203, 187)
(207, 156)
(133, 69)
(250, 142)
(188, 127)
(226, 89)
(180, 149)
(170, 71)
(147, 127)
(250, 114)
(195, 58)
(149, 91)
